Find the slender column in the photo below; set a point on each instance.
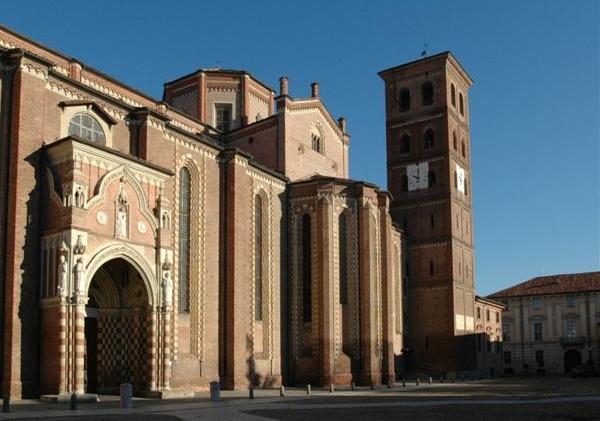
(79, 345)
(152, 350)
(370, 362)
(388, 289)
(167, 349)
(326, 288)
(63, 344)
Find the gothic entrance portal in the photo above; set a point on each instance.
(117, 330)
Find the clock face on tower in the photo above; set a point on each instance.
(460, 179)
(418, 176)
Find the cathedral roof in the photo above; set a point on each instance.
(553, 284)
(223, 72)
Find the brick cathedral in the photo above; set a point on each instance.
(214, 235)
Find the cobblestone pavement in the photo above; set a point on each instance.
(549, 398)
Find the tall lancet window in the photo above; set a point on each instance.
(258, 257)
(343, 227)
(306, 270)
(184, 240)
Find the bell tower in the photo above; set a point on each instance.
(429, 176)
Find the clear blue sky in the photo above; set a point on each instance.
(534, 106)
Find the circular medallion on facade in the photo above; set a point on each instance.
(101, 218)
(141, 227)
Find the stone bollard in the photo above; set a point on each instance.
(6, 404)
(73, 401)
(418, 381)
(250, 392)
(403, 383)
(308, 389)
(126, 395)
(331, 388)
(215, 391)
(430, 380)
(353, 386)
(282, 391)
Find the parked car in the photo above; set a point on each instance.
(585, 370)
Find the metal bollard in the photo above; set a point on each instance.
(215, 391)
(331, 389)
(430, 380)
(353, 386)
(126, 394)
(73, 401)
(282, 391)
(403, 383)
(6, 404)
(250, 392)
(308, 389)
(418, 381)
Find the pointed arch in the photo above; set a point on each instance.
(130, 255)
(184, 263)
(306, 269)
(261, 255)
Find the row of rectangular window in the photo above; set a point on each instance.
(536, 302)
(539, 357)
(571, 331)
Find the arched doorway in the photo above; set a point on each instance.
(117, 329)
(572, 360)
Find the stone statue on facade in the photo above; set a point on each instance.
(167, 284)
(61, 288)
(79, 277)
(121, 219)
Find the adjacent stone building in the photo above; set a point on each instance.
(551, 324)
(215, 235)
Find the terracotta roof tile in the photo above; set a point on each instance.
(553, 284)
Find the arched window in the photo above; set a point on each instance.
(86, 127)
(316, 142)
(455, 180)
(184, 240)
(463, 148)
(428, 137)
(427, 93)
(404, 99)
(431, 178)
(343, 229)
(258, 257)
(306, 270)
(404, 183)
(405, 143)
(453, 94)
(454, 140)
(466, 187)
(461, 106)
